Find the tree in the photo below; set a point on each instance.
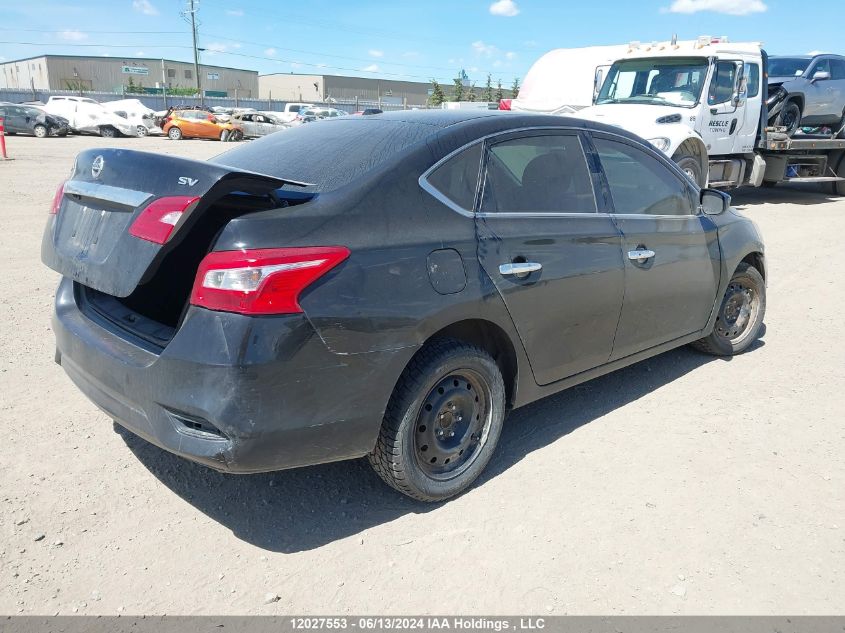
(487, 95)
(471, 96)
(515, 88)
(500, 94)
(437, 96)
(459, 90)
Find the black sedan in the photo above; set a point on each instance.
(262, 311)
(24, 119)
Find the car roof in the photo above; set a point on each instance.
(806, 56)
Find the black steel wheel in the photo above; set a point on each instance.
(789, 117)
(443, 421)
(740, 315)
(452, 424)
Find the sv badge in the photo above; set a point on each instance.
(184, 180)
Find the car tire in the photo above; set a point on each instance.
(740, 316)
(692, 168)
(236, 136)
(41, 131)
(224, 136)
(442, 423)
(108, 132)
(789, 117)
(841, 128)
(174, 134)
(141, 131)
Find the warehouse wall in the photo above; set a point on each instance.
(106, 74)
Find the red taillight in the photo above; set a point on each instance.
(57, 199)
(156, 222)
(262, 281)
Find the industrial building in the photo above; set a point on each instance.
(115, 74)
(328, 88)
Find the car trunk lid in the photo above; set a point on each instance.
(89, 239)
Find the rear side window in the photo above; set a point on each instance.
(539, 174)
(837, 68)
(457, 178)
(639, 183)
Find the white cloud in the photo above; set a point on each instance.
(376, 53)
(530, 43)
(372, 68)
(729, 7)
(814, 53)
(270, 52)
(140, 53)
(216, 47)
(73, 36)
(238, 13)
(506, 8)
(483, 49)
(510, 55)
(144, 6)
(410, 54)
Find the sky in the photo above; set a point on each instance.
(409, 39)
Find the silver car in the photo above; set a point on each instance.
(257, 124)
(807, 91)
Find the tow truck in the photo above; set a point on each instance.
(704, 103)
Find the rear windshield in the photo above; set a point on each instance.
(328, 154)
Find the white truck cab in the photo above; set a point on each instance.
(697, 101)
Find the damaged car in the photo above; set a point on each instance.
(807, 91)
(385, 286)
(25, 119)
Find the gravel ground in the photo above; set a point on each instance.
(685, 484)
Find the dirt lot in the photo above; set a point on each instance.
(684, 484)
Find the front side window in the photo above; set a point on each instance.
(722, 84)
(837, 68)
(639, 183)
(822, 66)
(457, 178)
(538, 174)
(658, 81)
(753, 83)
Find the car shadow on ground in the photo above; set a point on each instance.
(803, 194)
(302, 509)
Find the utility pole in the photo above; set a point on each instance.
(192, 8)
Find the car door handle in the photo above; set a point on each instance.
(519, 268)
(641, 255)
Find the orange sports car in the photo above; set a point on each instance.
(181, 124)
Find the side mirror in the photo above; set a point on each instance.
(714, 202)
(821, 75)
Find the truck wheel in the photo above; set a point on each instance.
(108, 132)
(174, 134)
(442, 423)
(692, 168)
(789, 117)
(40, 131)
(740, 316)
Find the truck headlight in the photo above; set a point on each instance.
(660, 143)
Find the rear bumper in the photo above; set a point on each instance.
(239, 394)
